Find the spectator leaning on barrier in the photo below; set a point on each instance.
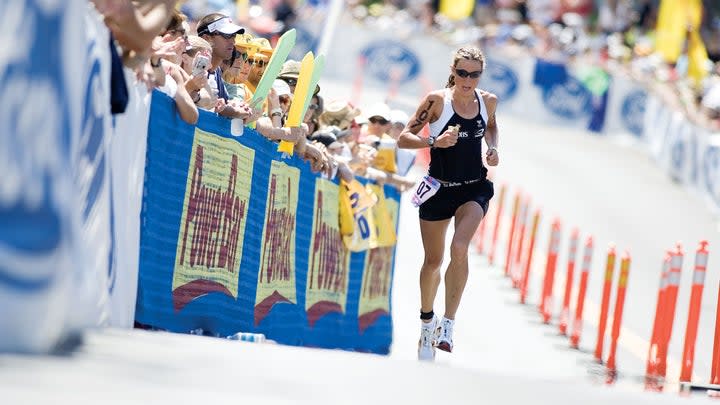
(197, 84)
(315, 108)
(290, 72)
(233, 74)
(258, 60)
(341, 114)
(220, 32)
(405, 158)
(168, 49)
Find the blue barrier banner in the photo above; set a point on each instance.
(236, 238)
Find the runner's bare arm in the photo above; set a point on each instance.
(492, 156)
(491, 132)
(429, 111)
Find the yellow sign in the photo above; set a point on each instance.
(212, 226)
(375, 289)
(383, 219)
(276, 277)
(329, 260)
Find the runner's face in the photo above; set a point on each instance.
(468, 83)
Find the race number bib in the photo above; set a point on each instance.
(427, 188)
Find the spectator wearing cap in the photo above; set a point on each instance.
(258, 60)
(245, 49)
(290, 73)
(405, 157)
(235, 76)
(378, 125)
(315, 108)
(220, 32)
(379, 122)
(271, 127)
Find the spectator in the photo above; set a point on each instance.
(220, 32)
(197, 84)
(258, 60)
(290, 72)
(169, 76)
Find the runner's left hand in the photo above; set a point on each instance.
(492, 157)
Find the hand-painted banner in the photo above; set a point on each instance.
(217, 194)
(236, 238)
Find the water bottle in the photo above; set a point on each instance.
(237, 126)
(248, 337)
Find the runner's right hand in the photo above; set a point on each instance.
(447, 138)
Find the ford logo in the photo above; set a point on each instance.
(569, 100)
(633, 111)
(391, 61)
(501, 80)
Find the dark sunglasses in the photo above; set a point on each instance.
(378, 120)
(313, 106)
(239, 55)
(259, 62)
(290, 81)
(465, 74)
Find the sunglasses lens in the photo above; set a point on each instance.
(465, 74)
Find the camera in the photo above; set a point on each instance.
(200, 64)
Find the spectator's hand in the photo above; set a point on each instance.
(492, 157)
(167, 49)
(255, 114)
(232, 109)
(345, 172)
(448, 138)
(195, 83)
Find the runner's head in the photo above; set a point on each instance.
(468, 64)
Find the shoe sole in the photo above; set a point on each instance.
(444, 346)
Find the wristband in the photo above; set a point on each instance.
(277, 111)
(155, 65)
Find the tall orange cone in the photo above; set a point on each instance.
(565, 311)
(605, 303)
(701, 258)
(496, 225)
(671, 302)
(582, 289)
(617, 315)
(528, 258)
(653, 359)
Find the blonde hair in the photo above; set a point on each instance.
(195, 44)
(467, 53)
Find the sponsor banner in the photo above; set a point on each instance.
(627, 102)
(329, 259)
(688, 154)
(276, 279)
(236, 238)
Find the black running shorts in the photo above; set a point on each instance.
(449, 198)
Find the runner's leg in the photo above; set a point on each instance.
(467, 219)
(433, 237)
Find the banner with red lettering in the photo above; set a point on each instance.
(236, 238)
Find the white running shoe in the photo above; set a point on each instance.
(428, 337)
(445, 341)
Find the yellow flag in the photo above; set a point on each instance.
(697, 58)
(456, 9)
(675, 19)
(671, 29)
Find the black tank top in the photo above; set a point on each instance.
(462, 161)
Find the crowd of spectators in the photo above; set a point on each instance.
(617, 35)
(212, 63)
